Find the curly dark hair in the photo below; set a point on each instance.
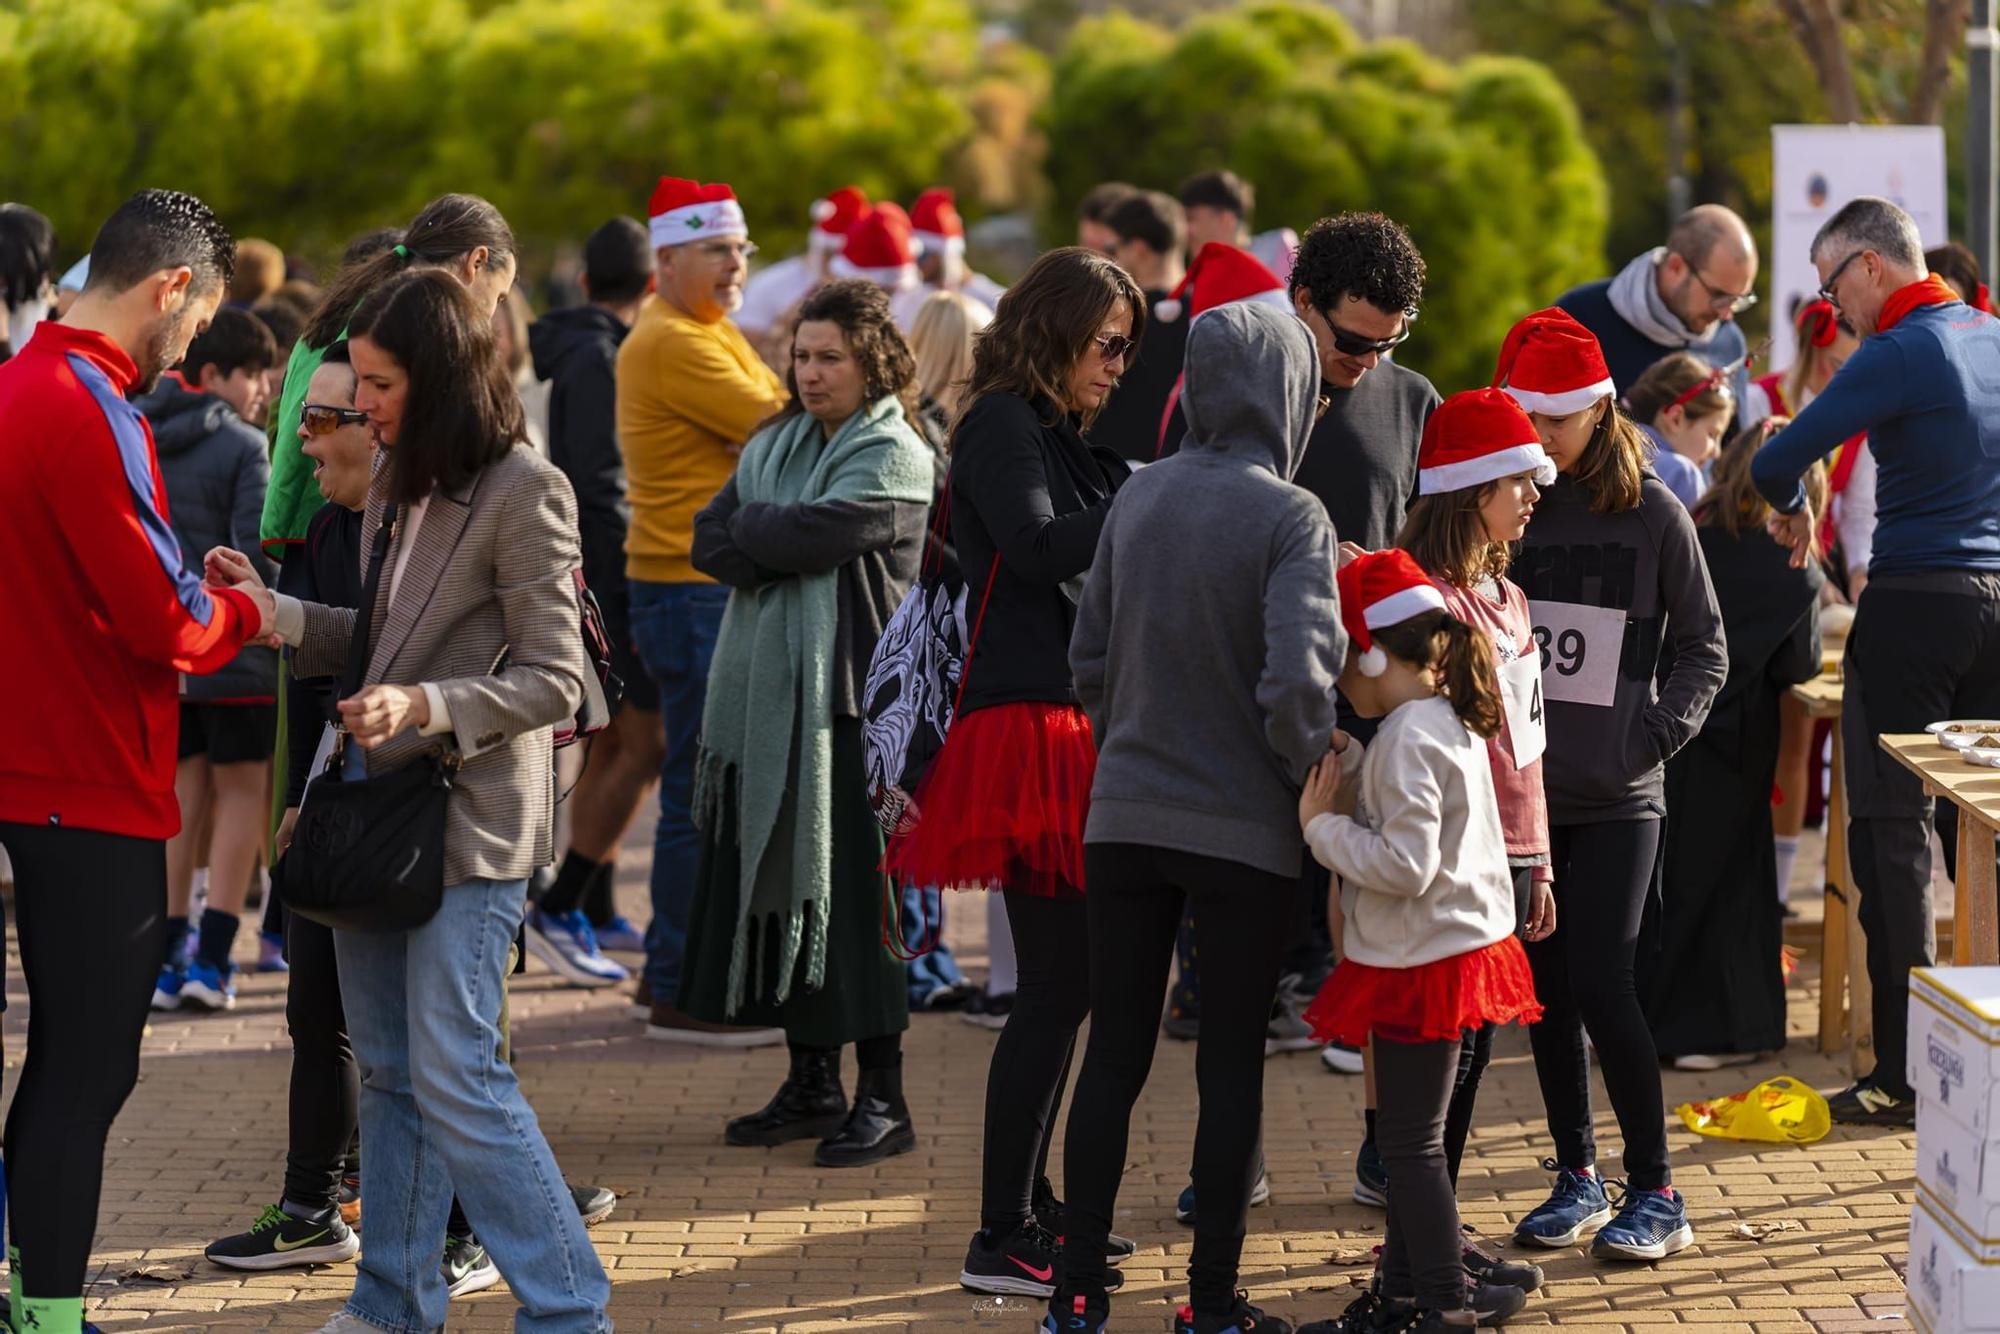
(1365, 255)
(861, 309)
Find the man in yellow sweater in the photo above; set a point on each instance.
(690, 391)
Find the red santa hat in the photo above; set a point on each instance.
(1382, 588)
(879, 249)
(684, 211)
(1222, 273)
(1476, 437)
(939, 229)
(834, 216)
(1552, 365)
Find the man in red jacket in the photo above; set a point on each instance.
(102, 616)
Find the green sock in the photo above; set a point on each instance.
(49, 1315)
(13, 1282)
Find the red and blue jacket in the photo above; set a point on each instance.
(100, 616)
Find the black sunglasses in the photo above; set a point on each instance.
(1354, 345)
(320, 419)
(1115, 346)
(1833, 279)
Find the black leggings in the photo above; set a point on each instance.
(1604, 873)
(91, 911)
(1422, 1252)
(1031, 1059)
(1243, 920)
(326, 1084)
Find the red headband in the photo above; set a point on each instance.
(1716, 377)
(1819, 323)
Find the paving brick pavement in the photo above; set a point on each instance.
(708, 1237)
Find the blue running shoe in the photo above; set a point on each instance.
(207, 987)
(1080, 1314)
(1577, 1205)
(1260, 1193)
(271, 953)
(565, 942)
(1651, 1225)
(167, 991)
(620, 937)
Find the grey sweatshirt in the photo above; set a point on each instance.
(1656, 673)
(1208, 639)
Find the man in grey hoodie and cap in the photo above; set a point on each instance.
(1205, 652)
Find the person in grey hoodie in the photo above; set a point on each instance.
(1205, 651)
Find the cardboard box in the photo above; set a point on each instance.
(1950, 1290)
(1960, 1173)
(1954, 1057)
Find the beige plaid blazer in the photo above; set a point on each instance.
(492, 569)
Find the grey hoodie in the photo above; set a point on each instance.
(1208, 638)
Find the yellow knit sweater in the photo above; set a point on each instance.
(689, 395)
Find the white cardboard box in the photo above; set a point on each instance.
(1959, 1172)
(1954, 1057)
(1950, 1290)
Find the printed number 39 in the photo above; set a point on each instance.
(1569, 647)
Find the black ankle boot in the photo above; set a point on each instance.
(878, 1127)
(808, 1105)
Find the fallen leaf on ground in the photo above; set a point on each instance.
(1764, 1227)
(176, 1272)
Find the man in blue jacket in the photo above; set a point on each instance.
(1925, 386)
(1682, 296)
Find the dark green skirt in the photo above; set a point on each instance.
(865, 993)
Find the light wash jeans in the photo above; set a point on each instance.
(439, 1109)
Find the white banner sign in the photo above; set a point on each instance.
(1818, 168)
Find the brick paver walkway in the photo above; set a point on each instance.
(712, 1238)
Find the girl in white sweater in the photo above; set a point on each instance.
(1428, 902)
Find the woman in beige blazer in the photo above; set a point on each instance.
(477, 570)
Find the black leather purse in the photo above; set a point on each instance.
(368, 854)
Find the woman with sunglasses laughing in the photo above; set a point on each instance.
(1003, 804)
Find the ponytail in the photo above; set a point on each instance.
(449, 228)
(1462, 659)
(1468, 678)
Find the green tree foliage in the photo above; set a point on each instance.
(1484, 161)
(310, 120)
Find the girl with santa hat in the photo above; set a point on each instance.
(1616, 586)
(1430, 950)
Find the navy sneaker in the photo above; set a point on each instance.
(1371, 1177)
(619, 936)
(271, 953)
(1651, 1225)
(1364, 1315)
(1260, 1193)
(1243, 1318)
(1025, 1264)
(1080, 1313)
(1577, 1205)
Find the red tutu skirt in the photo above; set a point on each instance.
(1003, 804)
(1432, 1002)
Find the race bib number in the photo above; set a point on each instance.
(1580, 647)
(1521, 688)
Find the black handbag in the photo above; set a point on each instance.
(368, 854)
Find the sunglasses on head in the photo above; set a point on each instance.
(1350, 344)
(321, 419)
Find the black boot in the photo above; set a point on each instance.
(808, 1105)
(878, 1127)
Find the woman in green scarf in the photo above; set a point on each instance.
(819, 534)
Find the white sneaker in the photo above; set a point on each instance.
(1287, 1031)
(1340, 1060)
(1722, 1061)
(565, 942)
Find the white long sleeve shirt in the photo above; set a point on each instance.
(1422, 862)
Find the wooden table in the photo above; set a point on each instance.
(1845, 996)
(1975, 790)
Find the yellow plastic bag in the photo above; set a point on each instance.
(1777, 1111)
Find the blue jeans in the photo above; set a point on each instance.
(439, 1109)
(922, 912)
(674, 627)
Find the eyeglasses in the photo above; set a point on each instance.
(726, 250)
(321, 419)
(1833, 279)
(1115, 347)
(1721, 300)
(1350, 344)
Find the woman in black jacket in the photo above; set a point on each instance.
(1003, 805)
